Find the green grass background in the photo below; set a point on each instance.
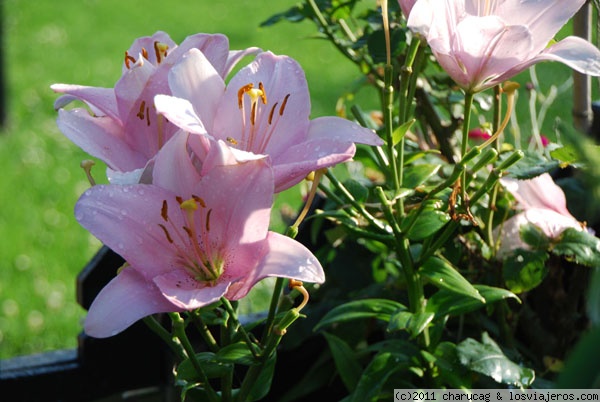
(42, 248)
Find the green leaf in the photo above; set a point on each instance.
(345, 361)
(416, 175)
(580, 246)
(262, 385)
(414, 323)
(445, 302)
(410, 157)
(376, 44)
(450, 371)
(294, 14)
(524, 270)
(237, 353)
(382, 366)
(211, 367)
(534, 236)
(358, 190)
(380, 309)
(567, 155)
(532, 165)
(401, 131)
(443, 275)
(430, 219)
(487, 358)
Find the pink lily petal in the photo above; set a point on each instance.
(481, 44)
(236, 55)
(125, 300)
(285, 258)
(291, 167)
(338, 129)
(539, 192)
(126, 218)
(241, 219)
(101, 137)
(280, 76)
(406, 6)
(545, 18)
(180, 112)
(187, 293)
(549, 221)
(102, 101)
(575, 52)
(196, 80)
(173, 169)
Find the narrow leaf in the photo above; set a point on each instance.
(443, 275)
(345, 361)
(380, 309)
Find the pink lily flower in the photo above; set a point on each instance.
(543, 204)
(264, 109)
(482, 43)
(406, 6)
(123, 129)
(198, 233)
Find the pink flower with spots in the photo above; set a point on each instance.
(198, 233)
(121, 126)
(481, 43)
(264, 109)
(543, 204)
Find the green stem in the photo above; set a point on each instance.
(166, 336)
(179, 332)
(465, 141)
(492, 204)
(357, 206)
(273, 306)
(413, 280)
(388, 107)
(204, 331)
(239, 327)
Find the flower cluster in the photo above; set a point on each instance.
(194, 164)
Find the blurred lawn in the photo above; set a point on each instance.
(42, 248)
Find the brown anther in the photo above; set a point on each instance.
(128, 59)
(148, 116)
(253, 114)
(179, 199)
(208, 220)
(188, 231)
(282, 108)
(140, 114)
(241, 93)
(160, 50)
(144, 53)
(164, 211)
(199, 200)
(272, 111)
(167, 235)
(263, 95)
(232, 141)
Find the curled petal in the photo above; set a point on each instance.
(100, 137)
(187, 293)
(180, 112)
(126, 299)
(285, 258)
